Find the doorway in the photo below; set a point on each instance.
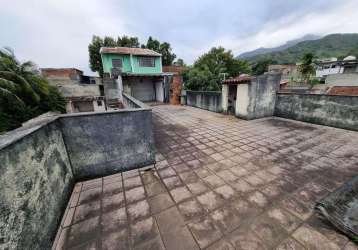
(232, 99)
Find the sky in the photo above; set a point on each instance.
(56, 33)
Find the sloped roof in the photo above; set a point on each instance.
(239, 79)
(127, 50)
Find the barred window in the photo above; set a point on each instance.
(146, 61)
(117, 63)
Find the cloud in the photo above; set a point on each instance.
(340, 19)
(56, 33)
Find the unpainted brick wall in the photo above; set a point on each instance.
(340, 90)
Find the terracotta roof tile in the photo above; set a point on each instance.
(238, 79)
(127, 50)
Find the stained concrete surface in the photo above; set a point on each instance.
(219, 183)
(36, 181)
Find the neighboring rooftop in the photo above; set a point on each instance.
(60, 71)
(239, 79)
(127, 50)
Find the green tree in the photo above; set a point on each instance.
(164, 48)
(261, 66)
(24, 93)
(201, 79)
(94, 55)
(306, 67)
(179, 62)
(152, 44)
(208, 69)
(126, 41)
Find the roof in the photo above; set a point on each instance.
(239, 79)
(62, 72)
(147, 74)
(127, 50)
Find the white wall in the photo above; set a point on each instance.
(98, 108)
(329, 71)
(224, 97)
(159, 91)
(242, 100)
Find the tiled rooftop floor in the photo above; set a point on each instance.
(219, 183)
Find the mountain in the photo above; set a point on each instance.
(334, 45)
(288, 44)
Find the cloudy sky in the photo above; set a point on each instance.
(56, 33)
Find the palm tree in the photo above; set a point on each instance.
(24, 93)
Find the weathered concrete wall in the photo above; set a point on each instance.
(262, 92)
(105, 143)
(336, 111)
(130, 102)
(40, 162)
(35, 182)
(73, 90)
(209, 100)
(342, 79)
(256, 99)
(224, 97)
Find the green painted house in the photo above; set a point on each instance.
(141, 72)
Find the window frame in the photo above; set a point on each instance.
(143, 61)
(119, 60)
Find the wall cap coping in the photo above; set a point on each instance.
(137, 102)
(203, 92)
(312, 94)
(15, 135)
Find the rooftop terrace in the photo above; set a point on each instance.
(218, 183)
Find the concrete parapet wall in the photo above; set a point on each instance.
(41, 161)
(262, 95)
(330, 110)
(35, 183)
(209, 100)
(109, 142)
(347, 79)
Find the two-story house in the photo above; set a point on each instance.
(141, 72)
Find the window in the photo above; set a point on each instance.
(99, 103)
(117, 63)
(146, 61)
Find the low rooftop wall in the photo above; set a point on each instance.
(41, 161)
(331, 110)
(35, 184)
(105, 143)
(209, 100)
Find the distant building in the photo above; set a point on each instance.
(82, 93)
(333, 66)
(288, 71)
(140, 72)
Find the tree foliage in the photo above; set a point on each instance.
(306, 67)
(164, 48)
(208, 70)
(24, 93)
(261, 66)
(179, 62)
(335, 45)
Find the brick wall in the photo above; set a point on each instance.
(175, 90)
(60, 72)
(340, 90)
(176, 83)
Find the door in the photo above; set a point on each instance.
(143, 91)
